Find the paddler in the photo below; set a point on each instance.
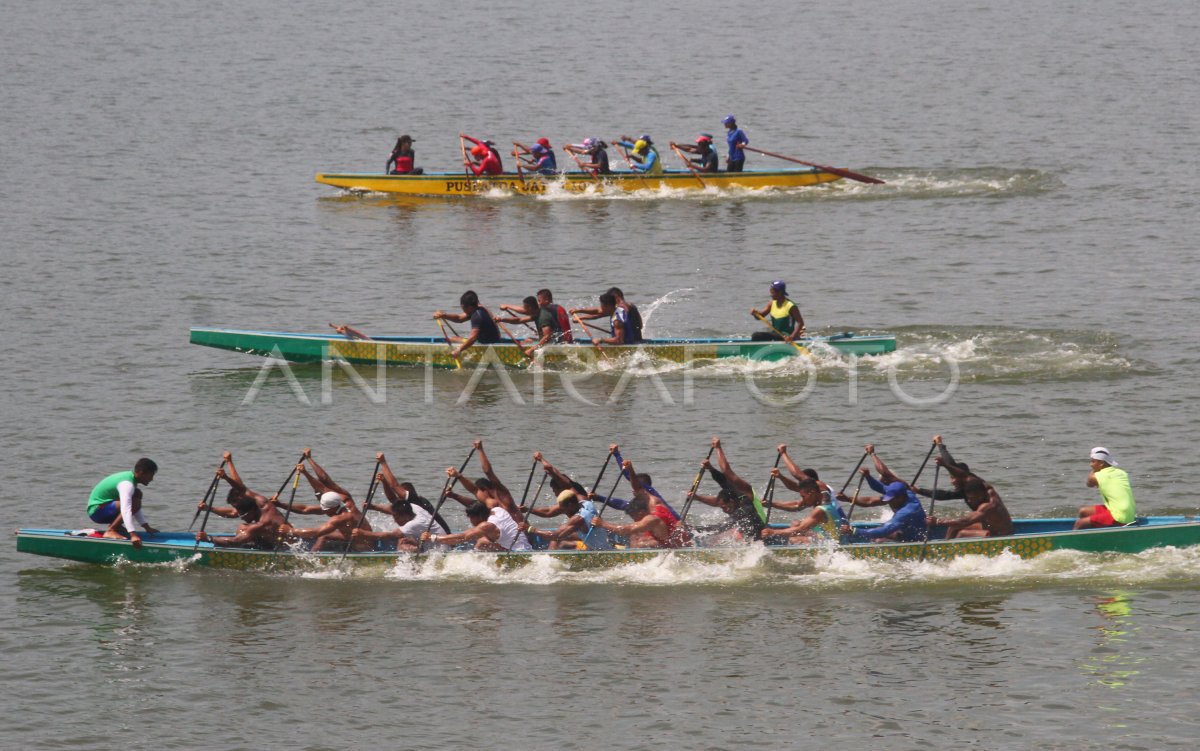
(824, 522)
(491, 530)
(578, 532)
(736, 139)
(799, 475)
(988, 516)
(488, 489)
(333, 501)
(261, 521)
(117, 501)
(709, 160)
(908, 522)
(729, 480)
(543, 161)
(553, 325)
(624, 319)
(643, 157)
(401, 160)
(744, 524)
(649, 529)
(597, 152)
(783, 315)
(1118, 507)
(484, 158)
(483, 328)
(411, 513)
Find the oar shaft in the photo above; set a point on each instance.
(834, 170)
(691, 496)
(528, 482)
(854, 501)
(769, 493)
(768, 324)
(688, 163)
(916, 477)
(854, 471)
(612, 490)
(932, 500)
(209, 499)
(447, 488)
(450, 344)
(362, 514)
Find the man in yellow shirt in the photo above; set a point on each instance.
(1118, 507)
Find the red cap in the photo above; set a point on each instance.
(545, 142)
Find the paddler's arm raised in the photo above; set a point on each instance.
(885, 474)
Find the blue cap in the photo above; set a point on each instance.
(779, 285)
(538, 149)
(645, 138)
(729, 119)
(894, 490)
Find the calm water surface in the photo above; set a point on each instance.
(1037, 229)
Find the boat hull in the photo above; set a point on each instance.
(1034, 537)
(457, 184)
(424, 351)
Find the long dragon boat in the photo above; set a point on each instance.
(422, 351)
(1031, 537)
(459, 184)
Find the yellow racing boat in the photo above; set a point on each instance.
(458, 184)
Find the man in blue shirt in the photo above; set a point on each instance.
(736, 139)
(908, 523)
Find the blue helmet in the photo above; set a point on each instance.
(729, 120)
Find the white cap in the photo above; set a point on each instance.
(331, 501)
(1102, 454)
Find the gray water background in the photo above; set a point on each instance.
(1037, 227)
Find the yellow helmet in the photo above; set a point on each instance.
(640, 146)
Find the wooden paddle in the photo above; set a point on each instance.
(621, 474)
(769, 493)
(932, 500)
(688, 163)
(854, 500)
(922, 468)
(447, 488)
(450, 344)
(462, 144)
(835, 170)
(595, 175)
(528, 355)
(212, 487)
(687, 504)
(801, 349)
(583, 326)
(295, 484)
(520, 169)
(362, 515)
(209, 499)
(625, 154)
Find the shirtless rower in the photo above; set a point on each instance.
(488, 489)
(411, 513)
(799, 475)
(261, 520)
(653, 527)
(335, 502)
(824, 522)
(117, 501)
(988, 515)
(491, 530)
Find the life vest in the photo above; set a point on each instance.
(781, 316)
(564, 322)
(403, 164)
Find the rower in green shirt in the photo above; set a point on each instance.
(1118, 508)
(117, 501)
(782, 314)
